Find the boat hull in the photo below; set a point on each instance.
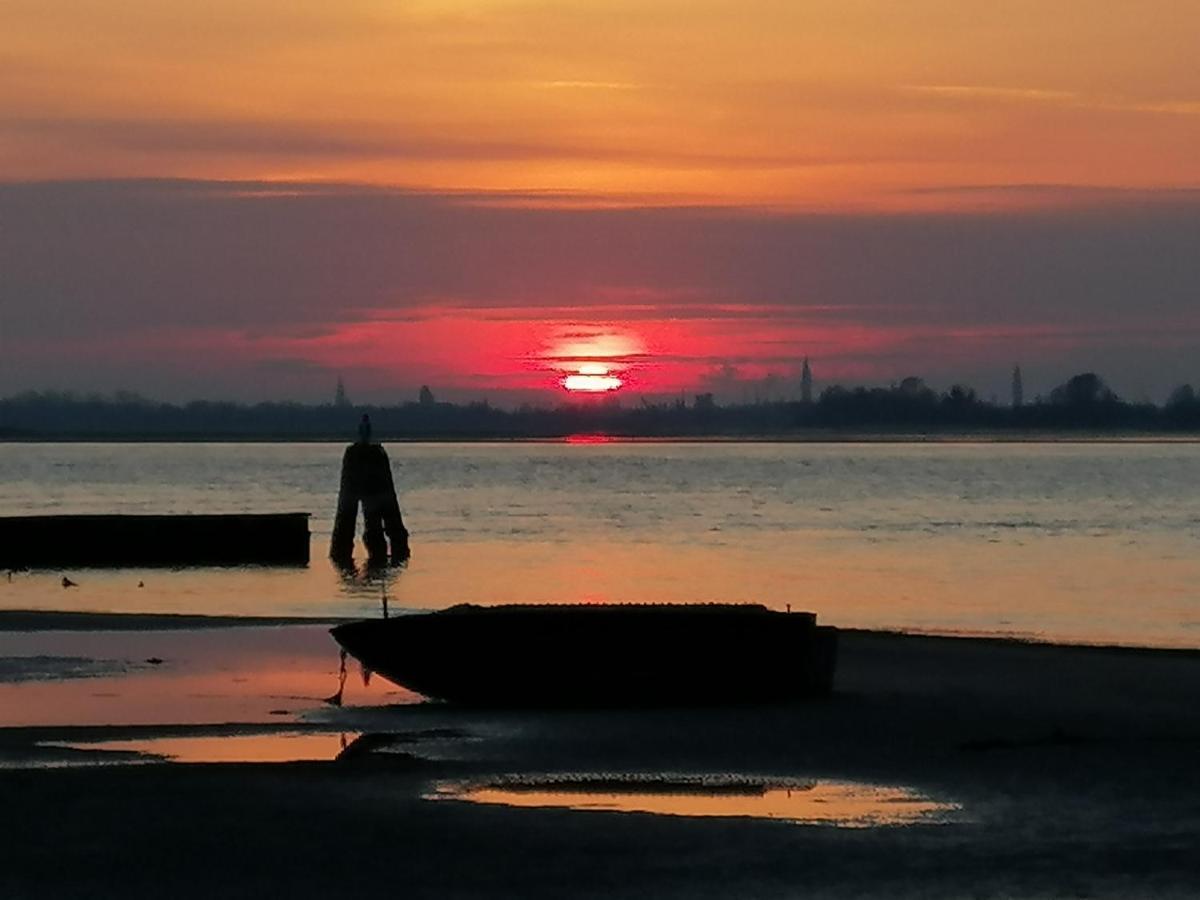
(609, 655)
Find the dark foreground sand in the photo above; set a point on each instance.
(1077, 770)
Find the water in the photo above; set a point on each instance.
(241, 675)
(280, 746)
(257, 746)
(838, 804)
(1078, 542)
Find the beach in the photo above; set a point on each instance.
(1067, 771)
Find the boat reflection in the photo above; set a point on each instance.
(841, 804)
(275, 746)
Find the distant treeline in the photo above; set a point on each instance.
(1084, 403)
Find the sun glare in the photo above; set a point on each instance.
(592, 378)
(591, 359)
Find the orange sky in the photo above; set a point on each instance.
(444, 191)
(800, 103)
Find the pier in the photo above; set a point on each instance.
(107, 541)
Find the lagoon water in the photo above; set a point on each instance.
(1090, 542)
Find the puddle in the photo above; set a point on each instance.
(842, 804)
(260, 747)
(276, 747)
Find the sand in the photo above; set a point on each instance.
(1075, 769)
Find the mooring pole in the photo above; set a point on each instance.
(367, 481)
(341, 544)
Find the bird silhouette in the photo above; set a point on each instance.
(67, 582)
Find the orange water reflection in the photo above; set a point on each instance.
(225, 675)
(1064, 587)
(1045, 540)
(835, 803)
(1033, 589)
(276, 747)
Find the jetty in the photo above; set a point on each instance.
(111, 541)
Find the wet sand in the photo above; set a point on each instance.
(1074, 767)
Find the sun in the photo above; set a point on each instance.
(592, 378)
(591, 358)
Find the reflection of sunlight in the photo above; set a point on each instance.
(590, 439)
(289, 746)
(363, 579)
(840, 804)
(228, 675)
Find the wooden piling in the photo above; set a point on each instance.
(366, 481)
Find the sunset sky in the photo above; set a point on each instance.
(250, 198)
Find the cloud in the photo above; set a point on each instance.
(199, 285)
(1049, 97)
(974, 92)
(276, 140)
(591, 85)
(342, 141)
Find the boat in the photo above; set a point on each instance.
(599, 654)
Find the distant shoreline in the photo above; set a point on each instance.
(813, 437)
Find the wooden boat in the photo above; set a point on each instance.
(605, 654)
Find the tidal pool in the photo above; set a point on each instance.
(248, 746)
(273, 747)
(842, 804)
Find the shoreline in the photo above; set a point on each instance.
(585, 437)
(39, 620)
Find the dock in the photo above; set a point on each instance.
(113, 541)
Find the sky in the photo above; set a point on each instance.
(249, 199)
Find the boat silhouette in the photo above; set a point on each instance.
(600, 655)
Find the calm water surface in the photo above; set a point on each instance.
(1083, 542)
(830, 803)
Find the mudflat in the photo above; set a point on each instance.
(1072, 770)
